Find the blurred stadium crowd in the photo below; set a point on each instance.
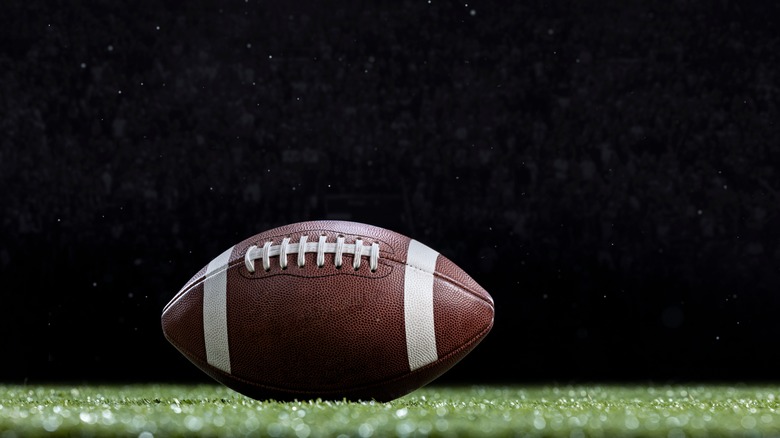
(630, 140)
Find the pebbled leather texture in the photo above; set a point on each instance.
(322, 332)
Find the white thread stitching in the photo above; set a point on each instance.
(321, 252)
(266, 255)
(356, 260)
(283, 252)
(302, 251)
(339, 250)
(374, 256)
(321, 247)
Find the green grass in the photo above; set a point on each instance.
(554, 410)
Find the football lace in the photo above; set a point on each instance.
(321, 247)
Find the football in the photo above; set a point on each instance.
(328, 310)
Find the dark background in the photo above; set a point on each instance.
(606, 170)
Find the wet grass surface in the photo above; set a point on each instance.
(553, 410)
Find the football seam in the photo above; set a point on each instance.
(190, 285)
(435, 273)
(179, 295)
(446, 278)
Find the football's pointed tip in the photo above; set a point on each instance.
(179, 320)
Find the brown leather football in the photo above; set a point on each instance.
(328, 309)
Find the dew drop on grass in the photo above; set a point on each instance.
(405, 428)
(87, 417)
(193, 423)
(108, 417)
(302, 430)
(273, 429)
(51, 424)
(251, 424)
(365, 430)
